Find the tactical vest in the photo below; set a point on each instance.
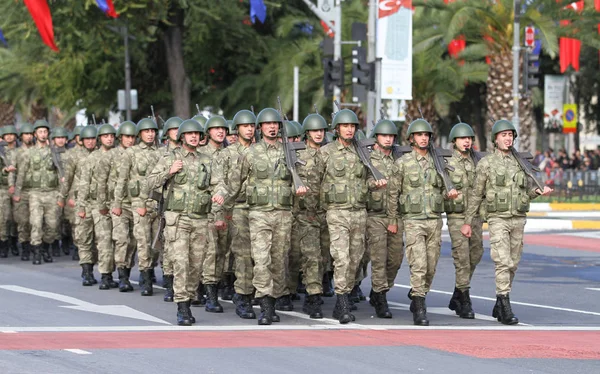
(463, 179)
(113, 176)
(507, 189)
(344, 184)
(188, 191)
(377, 201)
(421, 196)
(307, 155)
(269, 183)
(234, 153)
(142, 160)
(42, 172)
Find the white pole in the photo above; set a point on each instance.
(296, 92)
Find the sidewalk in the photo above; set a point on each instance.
(561, 207)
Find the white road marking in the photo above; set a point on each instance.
(513, 302)
(8, 332)
(78, 351)
(593, 289)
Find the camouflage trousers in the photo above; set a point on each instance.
(104, 242)
(69, 215)
(305, 255)
(466, 252)
(122, 235)
(324, 240)
(506, 248)
(347, 231)
(5, 214)
(167, 260)
(386, 251)
(210, 272)
(242, 252)
(423, 245)
(84, 232)
(144, 231)
(188, 239)
(270, 239)
(21, 216)
(223, 257)
(44, 216)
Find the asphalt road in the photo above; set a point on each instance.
(51, 324)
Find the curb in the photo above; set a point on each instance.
(549, 224)
(559, 207)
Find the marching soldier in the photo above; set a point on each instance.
(466, 252)
(508, 192)
(9, 135)
(417, 190)
(385, 249)
(21, 205)
(59, 137)
(232, 134)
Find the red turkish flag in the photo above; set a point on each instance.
(389, 7)
(569, 48)
(40, 12)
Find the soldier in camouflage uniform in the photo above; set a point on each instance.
(38, 175)
(269, 194)
(344, 191)
(232, 133)
(507, 191)
(417, 190)
(9, 135)
(189, 226)
(21, 207)
(136, 164)
(466, 252)
(219, 263)
(385, 248)
(244, 122)
(99, 230)
(122, 217)
(59, 137)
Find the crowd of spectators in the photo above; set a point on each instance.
(553, 161)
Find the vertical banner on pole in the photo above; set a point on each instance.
(554, 99)
(569, 118)
(394, 48)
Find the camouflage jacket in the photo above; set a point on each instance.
(15, 157)
(310, 176)
(37, 171)
(377, 201)
(463, 179)
(229, 162)
(414, 191)
(136, 164)
(87, 196)
(68, 188)
(506, 188)
(107, 172)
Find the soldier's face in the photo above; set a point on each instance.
(60, 141)
(192, 139)
(463, 144)
(385, 141)
(127, 140)
(232, 139)
(504, 140)
(246, 131)
(269, 129)
(41, 134)
(147, 135)
(89, 143)
(107, 140)
(10, 138)
(346, 131)
(317, 136)
(27, 138)
(421, 139)
(172, 135)
(217, 134)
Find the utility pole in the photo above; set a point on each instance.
(372, 110)
(337, 44)
(516, 49)
(296, 92)
(127, 74)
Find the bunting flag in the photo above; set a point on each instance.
(570, 48)
(389, 7)
(40, 12)
(107, 7)
(329, 32)
(258, 9)
(456, 46)
(2, 39)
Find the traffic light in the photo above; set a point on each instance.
(334, 75)
(362, 75)
(531, 70)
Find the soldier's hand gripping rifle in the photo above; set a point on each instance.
(289, 149)
(524, 161)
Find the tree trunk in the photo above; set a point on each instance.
(7, 114)
(38, 110)
(180, 85)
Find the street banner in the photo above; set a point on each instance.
(554, 99)
(569, 118)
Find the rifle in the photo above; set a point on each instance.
(156, 140)
(289, 149)
(476, 156)
(524, 160)
(56, 160)
(198, 109)
(441, 166)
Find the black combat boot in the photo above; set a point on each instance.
(466, 309)
(111, 282)
(37, 254)
(192, 318)
(327, 284)
(152, 275)
(75, 256)
(212, 301)
(128, 272)
(356, 295)
(284, 303)
(242, 306)
(56, 248)
(312, 306)
(455, 304)
(228, 289)
(183, 313)
(265, 314)
(124, 285)
(4, 248)
(25, 250)
(199, 300)
(419, 310)
(66, 244)
(14, 247)
(147, 289)
(341, 311)
(104, 284)
(503, 311)
(301, 288)
(168, 285)
(46, 252)
(87, 275)
(382, 310)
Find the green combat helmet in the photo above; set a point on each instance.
(244, 117)
(345, 116)
(10, 129)
(268, 115)
(172, 123)
(77, 131)
(146, 124)
(503, 125)
(1, 132)
(384, 127)
(189, 125)
(293, 129)
(41, 123)
(106, 129)
(232, 128)
(127, 128)
(419, 125)
(200, 119)
(461, 130)
(88, 132)
(216, 122)
(59, 132)
(26, 128)
(314, 122)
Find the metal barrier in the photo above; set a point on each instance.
(573, 185)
